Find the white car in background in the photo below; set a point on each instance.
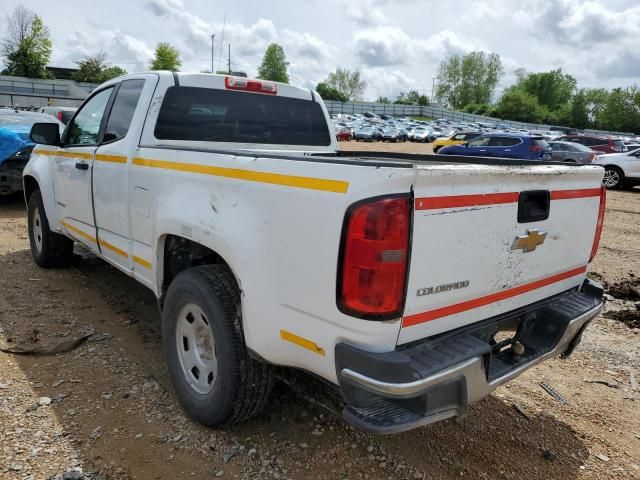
(621, 169)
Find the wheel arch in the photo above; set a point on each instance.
(177, 253)
(30, 185)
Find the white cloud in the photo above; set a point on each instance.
(115, 44)
(381, 46)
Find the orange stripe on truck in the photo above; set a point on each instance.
(459, 201)
(430, 315)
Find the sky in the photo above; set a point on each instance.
(396, 44)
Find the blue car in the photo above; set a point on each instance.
(16, 146)
(503, 145)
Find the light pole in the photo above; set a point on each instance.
(433, 87)
(213, 37)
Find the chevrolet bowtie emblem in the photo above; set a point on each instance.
(529, 242)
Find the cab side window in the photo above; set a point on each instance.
(85, 127)
(504, 142)
(124, 106)
(480, 142)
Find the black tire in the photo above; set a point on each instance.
(49, 249)
(435, 150)
(241, 385)
(613, 177)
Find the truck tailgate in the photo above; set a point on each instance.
(479, 247)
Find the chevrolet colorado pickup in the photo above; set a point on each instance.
(413, 284)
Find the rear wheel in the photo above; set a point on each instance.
(613, 177)
(435, 150)
(215, 379)
(49, 249)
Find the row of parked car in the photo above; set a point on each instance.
(619, 156)
(15, 143)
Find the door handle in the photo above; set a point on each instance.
(82, 165)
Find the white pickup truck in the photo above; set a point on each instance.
(414, 284)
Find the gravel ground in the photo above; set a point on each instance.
(105, 409)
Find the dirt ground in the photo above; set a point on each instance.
(106, 408)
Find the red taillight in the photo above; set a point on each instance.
(243, 84)
(374, 256)
(536, 148)
(596, 239)
(59, 115)
(592, 157)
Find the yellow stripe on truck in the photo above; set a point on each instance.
(78, 232)
(337, 186)
(142, 262)
(62, 153)
(301, 342)
(113, 248)
(111, 158)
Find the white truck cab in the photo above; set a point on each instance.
(390, 276)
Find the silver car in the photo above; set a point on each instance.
(571, 152)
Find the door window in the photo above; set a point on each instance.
(85, 127)
(123, 109)
(504, 142)
(480, 142)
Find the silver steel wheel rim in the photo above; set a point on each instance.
(36, 225)
(611, 178)
(196, 349)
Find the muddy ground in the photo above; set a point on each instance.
(106, 408)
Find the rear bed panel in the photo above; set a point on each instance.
(465, 223)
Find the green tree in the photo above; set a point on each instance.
(412, 97)
(349, 84)
(166, 58)
(578, 111)
(621, 111)
(274, 65)
(112, 72)
(26, 46)
(467, 79)
(96, 69)
(383, 100)
(520, 106)
(552, 89)
(330, 93)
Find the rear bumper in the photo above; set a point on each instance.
(438, 378)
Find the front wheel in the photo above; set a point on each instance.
(613, 177)
(48, 249)
(216, 380)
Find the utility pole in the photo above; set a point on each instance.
(229, 59)
(433, 87)
(213, 37)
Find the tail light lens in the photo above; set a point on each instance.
(599, 225)
(59, 115)
(536, 148)
(374, 256)
(592, 157)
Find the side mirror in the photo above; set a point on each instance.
(45, 133)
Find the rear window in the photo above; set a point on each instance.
(211, 115)
(66, 115)
(620, 144)
(504, 141)
(540, 142)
